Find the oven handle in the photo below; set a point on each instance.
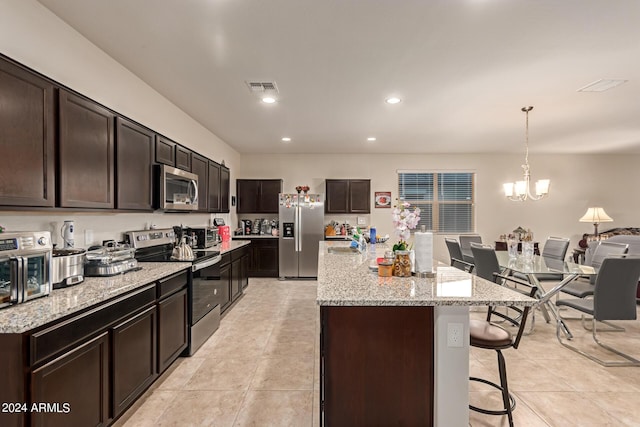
(208, 263)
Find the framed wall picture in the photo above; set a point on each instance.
(382, 199)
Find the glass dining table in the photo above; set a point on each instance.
(539, 266)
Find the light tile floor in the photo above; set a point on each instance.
(261, 369)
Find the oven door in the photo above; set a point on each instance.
(206, 284)
(36, 275)
(9, 267)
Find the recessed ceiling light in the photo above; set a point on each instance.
(286, 139)
(602, 85)
(392, 100)
(371, 138)
(268, 100)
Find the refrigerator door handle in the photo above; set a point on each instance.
(295, 229)
(299, 228)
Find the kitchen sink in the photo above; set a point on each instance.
(343, 250)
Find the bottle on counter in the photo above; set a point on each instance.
(372, 235)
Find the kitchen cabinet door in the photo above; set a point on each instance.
(134, 156)
(79, 378)
(248, 192)
(225, 182)
(86, 174)
(172, 328)
(236, 283)
(214, 187)
(27, 135)
(165, 151)
(264, 258)
(134, 358)
(269, 190)
(359, 196)
(200, 166)
(183, 158)
(225, 283)
(337, 196)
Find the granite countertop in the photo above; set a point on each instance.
(231, 245)
(254, 236)
(94, 290)
(348, 280)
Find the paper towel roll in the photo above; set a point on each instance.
(423, 246)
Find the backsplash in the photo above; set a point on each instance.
(92, 228)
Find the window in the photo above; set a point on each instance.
(444, 198)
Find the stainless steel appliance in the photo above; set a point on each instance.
(67, 267)
(246, 226)
(206, 237)
(25, 266)
(177, 189)
(301, 218)
(104, 261)
(206, 285)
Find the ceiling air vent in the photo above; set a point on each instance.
(260, 87)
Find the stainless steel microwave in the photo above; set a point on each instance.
(178, 189)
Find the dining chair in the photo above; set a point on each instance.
(585, 287)
(555, 248)
(465, 245)
(455, 255)
(488, 335)
(613, 299)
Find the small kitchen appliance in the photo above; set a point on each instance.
(67, 267)
(205, 237)
(67, 234)
(246, 225)
(104, 261)
(206, 283)
(25, 266)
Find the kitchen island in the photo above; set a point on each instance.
(385, 357)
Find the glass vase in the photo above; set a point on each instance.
(402, 264)
(527, 250)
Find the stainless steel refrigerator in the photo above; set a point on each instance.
(301, 218)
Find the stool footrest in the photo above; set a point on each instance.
(504, 411)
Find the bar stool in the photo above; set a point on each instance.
(488, 335)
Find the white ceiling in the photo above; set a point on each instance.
(463, 69)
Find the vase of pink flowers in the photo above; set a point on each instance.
(404, 220)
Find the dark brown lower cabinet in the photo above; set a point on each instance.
(77, 383)
(134, 358)
(263, 258)
(172, 328)
(236, 283)
(376, 366)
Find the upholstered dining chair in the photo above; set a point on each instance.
(586, 287)
(487, 334)
(613, 299)
(455, 255)
(465, 245)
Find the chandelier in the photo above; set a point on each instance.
(520, 190)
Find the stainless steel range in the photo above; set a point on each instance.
(205, 283)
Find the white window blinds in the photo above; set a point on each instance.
(445, 199)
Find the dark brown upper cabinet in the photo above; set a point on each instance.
(134, 156)
(214, 187)
(27, 132)
(225, 182)
(183, 158)
(348, 196)
(86, 150)
(200, 166)
(258, 195)
(165, 151)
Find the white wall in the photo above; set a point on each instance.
(32, 35)
(577, 182)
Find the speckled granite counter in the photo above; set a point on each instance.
(231, 245)
(94, 290)
(254, 236)
(347, 280)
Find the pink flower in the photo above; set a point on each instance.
(404, 220)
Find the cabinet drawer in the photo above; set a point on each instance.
(67, 334)
(171, 284)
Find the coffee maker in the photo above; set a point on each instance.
(245, 225)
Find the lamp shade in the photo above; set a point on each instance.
(595, 216)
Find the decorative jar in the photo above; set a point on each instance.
(402, 264)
